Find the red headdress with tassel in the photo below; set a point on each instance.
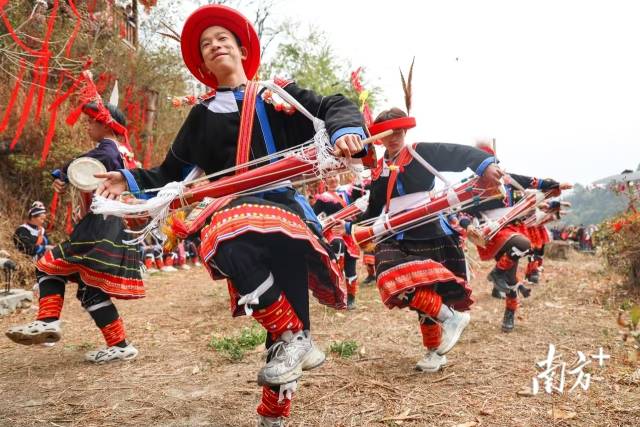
(108, 114)
(400, 122)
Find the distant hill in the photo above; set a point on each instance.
(593, 206)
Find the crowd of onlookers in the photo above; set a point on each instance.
(581, 235)
(182, 257)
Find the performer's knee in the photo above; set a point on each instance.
(50, 285)
(90, 296)
(517, 247)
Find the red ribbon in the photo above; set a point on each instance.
(26, 109)
(76, 28)
(52, 211)
(13, 97)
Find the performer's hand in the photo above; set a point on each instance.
(59, 186)
(113, 185)
(348, 145)
(566, 186)
(491, 176)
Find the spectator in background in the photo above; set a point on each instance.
(31, 237)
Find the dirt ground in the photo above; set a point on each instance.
(178, 380)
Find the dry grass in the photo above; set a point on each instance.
(179, 381)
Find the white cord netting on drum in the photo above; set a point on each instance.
(158, 208)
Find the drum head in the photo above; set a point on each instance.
(81, 171)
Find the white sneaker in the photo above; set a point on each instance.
(314, 358)
(451, 330)
(197, 264)
(110, 354)
(168, 269)
(431, 362)
(270, 421)
(184, 267)
(36, 332)
(288, 355)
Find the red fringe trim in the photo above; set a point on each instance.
(110, 284)
(414, 274)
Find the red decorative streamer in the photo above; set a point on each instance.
(76, 28)
(52, 118)
(13, 97)
(13, 34)
(53, 208)
(91, 7)
(26, 109)
(44, 61)
(41, 83)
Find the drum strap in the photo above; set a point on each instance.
(397, 166)
(246, 126)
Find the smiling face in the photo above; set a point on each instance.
(221, 53)
(394, 142)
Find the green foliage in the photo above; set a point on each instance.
(618, 240)
(344, 349)
(593, 206)
(309, 59)
(235, 347)
(634, 315)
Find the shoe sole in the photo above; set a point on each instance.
(456, 336)
(290, 376)
(31, 339)
(307, 366)
(118, 359)
(507, 330)
(432, 371)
